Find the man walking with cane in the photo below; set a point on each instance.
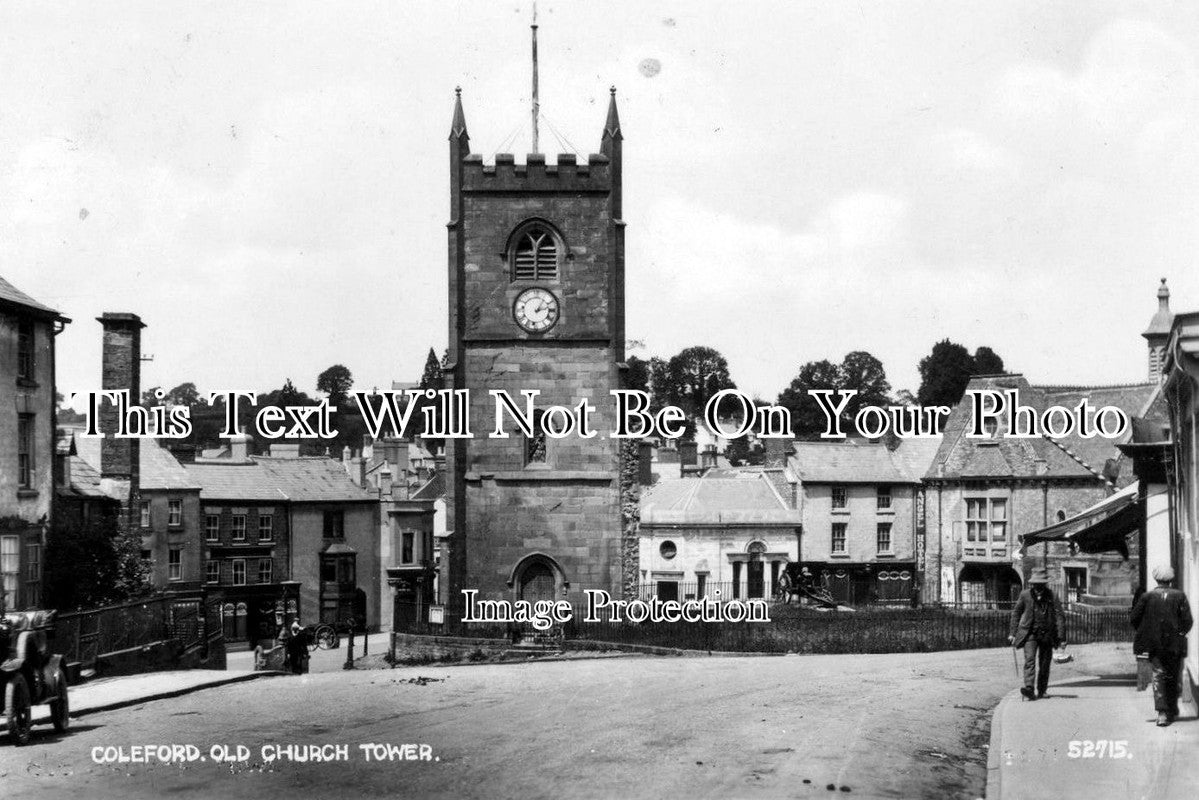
(1037, 626)
(1162, 618)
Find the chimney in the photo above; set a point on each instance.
(1158, 332)
(687, 452)
(777, 451)
(121, 369)
(284, 450)
(707, 457)
(385, 480)
(368, 447)
(239, 448)
(645, 463)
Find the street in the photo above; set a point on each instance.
(789, 726)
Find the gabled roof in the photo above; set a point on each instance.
(85, 481)
(159, 470)
(860, 461)
(297, 480)
(433, 488)
(719, 496)
(12, 296)
(1073, 456)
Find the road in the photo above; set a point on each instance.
(792, 726)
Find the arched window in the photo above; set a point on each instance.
(535, 254)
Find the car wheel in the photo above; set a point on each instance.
(60, 709)
(19, 715)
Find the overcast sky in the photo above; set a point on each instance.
(267, 184)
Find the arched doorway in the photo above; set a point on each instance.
(537, 577)
(755, 577)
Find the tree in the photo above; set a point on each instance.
(335, 382)
(807, 420)
(944, 374)
(863, 373)
(637, 374)
(185, 394)
(432, 377)
(696, 374)
(89, 563)
(65, 413)
(987, 362)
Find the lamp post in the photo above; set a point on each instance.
(349, 647)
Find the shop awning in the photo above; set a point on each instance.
(1102, 528)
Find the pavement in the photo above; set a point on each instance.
(1088, 738)
(107, 694)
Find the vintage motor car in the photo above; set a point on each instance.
(30, 674)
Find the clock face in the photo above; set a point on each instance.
(536, 310)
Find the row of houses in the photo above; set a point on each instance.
(941, 519)
(313, 537)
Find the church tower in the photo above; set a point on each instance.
(536, 301)
(1158, 332)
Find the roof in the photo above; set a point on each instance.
(433, 488)
(860, 461)
(297, 480)
(1072, 456)
(159, 470)
(1100, 528)
(718, 497)
(85, 480)
(11, 295)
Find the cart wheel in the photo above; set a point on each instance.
(18, 714)
(326, 638)
(60, 709)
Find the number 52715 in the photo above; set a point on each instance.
(1099, 748)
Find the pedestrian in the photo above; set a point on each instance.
(1162, 618)
(1037, 626)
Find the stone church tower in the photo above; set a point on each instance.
(536, 301)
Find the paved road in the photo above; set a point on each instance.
(874, 726)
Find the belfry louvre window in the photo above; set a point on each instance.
(536, 256)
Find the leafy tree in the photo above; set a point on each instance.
(987, 362)
(864, 374)
(65, 413)
(637, 375)
(432, 377)
(740, 452)
(944, 374)
(807, 420)
(335, 382)
(150, 398)
(88, 563)
(185, 394)
(696, 374)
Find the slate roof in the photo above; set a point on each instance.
(859, 461)
(433, 488)
(11, 295)
(719, 496)
(1068, 457)
(85, 480)
(298, 480)
(159, 469)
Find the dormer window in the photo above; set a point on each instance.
(535, 254)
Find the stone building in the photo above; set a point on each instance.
(536, 302)
(731, 531)
(27, 442)
(984, 494)
(268, 520)
(861, 507)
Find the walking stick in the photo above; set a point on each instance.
(1015, 662)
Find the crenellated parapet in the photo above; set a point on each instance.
(568, 175)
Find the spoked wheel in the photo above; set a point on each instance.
(60, 708)
(18, 715)
(327, 638)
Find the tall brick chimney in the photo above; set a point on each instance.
(121, 368)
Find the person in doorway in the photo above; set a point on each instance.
(1037, 626)
(1162, 618)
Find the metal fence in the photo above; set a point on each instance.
(802, 629)
(86, 637)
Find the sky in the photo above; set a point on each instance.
(266, 184)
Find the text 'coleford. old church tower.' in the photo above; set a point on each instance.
(536, 301)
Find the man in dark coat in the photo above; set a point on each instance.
(1037, 626)
(1162, 618)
